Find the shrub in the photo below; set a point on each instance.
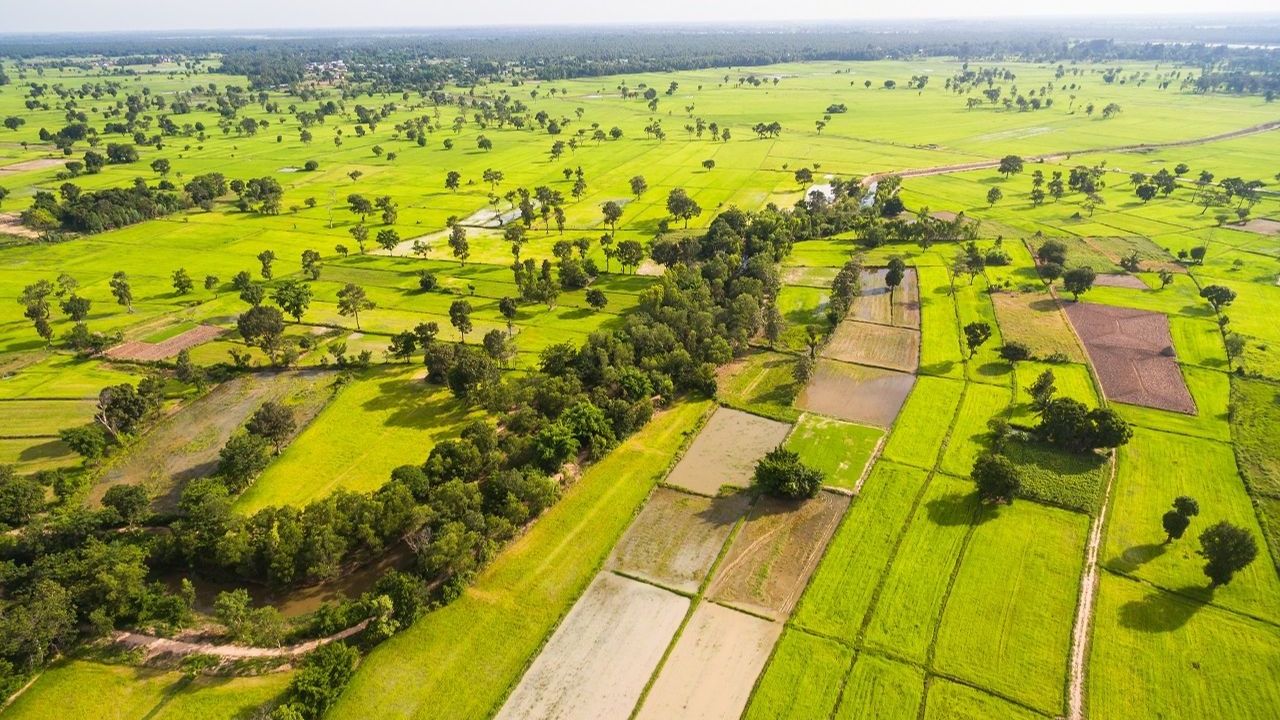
(780, 473)
(996, 477)
(1014, 351)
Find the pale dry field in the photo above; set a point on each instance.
(885, 346)
(714, 665)
(601, 656)
(726, 451)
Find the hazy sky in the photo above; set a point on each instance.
(90, 15)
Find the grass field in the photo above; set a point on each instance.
(839, 449)
(843, 587)
(1008, 620)
(493, 631)
(1153, 469)
(802, 679)
(925, 420)
(1157, 655)
(83, 688)
(398, 411)
(925, 604)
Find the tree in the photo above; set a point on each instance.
(804, 176)
(262, 326)
(129, 501)
(121, 290)
(1052, 251)
(460, 317)
(311, 264)
(975, 334)
(994, 195)
(293, 297)
(1078, 280)
(273, 422)
(681, 206)
(266, 257)
(1010, 165)
(242, 459)
(20, 498)
(452, 180)
(499, 346)
(1042, 390)
(1175, 521)
(351, 300)
(360, 234)
(630, 254)
(997, 478)
(596, 299)
(709, 165)
(638, 186)
(182, 282)
(76, 307)
(322, 675)
(458, 243)
(1219, 296)
(388, 239)
(894, 275)
(1110, 111)
(1228, 549)
(612, 213)
(780, 473)
(1069, 423)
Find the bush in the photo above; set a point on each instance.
(242, 459)
(780, 473)
(323, 673)
(1015, 351)
(1071, 425)
(996, 477)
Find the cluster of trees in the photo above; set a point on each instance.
(781, 473)
(93, 211)
(1226, 548)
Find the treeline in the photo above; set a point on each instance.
(428, 59)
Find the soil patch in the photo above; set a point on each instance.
(884, 346)
(772, 557)
(1132, 352)
(11, 224)
(713, 666)
(874, 305)
(676, 538)
(601, 656)
(185, 445)
(30, 165)
(139, 351)
(1262, 226)
(1118, 280)
(726, 451)
(857, 393)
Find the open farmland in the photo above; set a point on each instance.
(528, 378)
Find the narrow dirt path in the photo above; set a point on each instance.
(1084, 608)
(153, 646)
(1049, 157)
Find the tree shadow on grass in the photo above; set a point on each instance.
(1160, 611)
(1135, 557)
(423, 411)
(957, 509)
(993, 369)
(939, 368)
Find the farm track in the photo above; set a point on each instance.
(154, 646)
(1054, 156)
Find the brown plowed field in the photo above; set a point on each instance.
(1132, 354)
(676, 537)
(139, 351)
(895, 348)
(772, 557)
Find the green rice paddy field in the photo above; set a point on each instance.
(927, 603)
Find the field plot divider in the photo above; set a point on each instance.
(694, 601)
(675, 458)
(652, 583)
